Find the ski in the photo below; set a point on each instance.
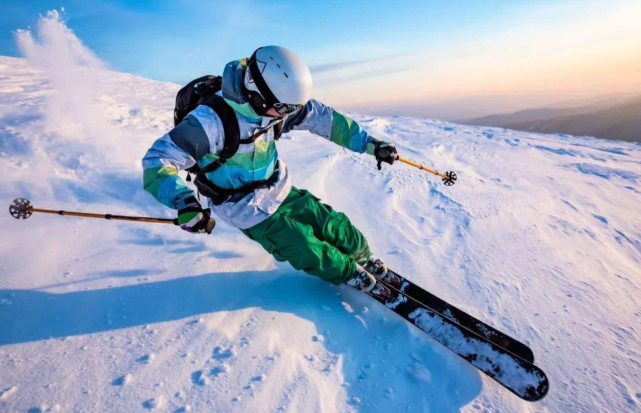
(464, 319)
(518, 375)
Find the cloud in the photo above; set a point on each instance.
(338, 66)
(361, 76)
(357, 70)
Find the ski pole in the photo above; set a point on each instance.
(449, 178)
(22, 209)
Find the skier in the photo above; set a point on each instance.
(228, 141)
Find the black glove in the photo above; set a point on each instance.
(193, 218)
(385, 152)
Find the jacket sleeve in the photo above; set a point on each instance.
(160, 172)
(322, 120)
(199, 134)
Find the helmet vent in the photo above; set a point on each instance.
(286, 75)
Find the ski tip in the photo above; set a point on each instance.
(535, 394)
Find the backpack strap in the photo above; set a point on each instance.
(278, 130)
(231, 131)
(276, 126)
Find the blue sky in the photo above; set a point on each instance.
(172, 39)
(414, 48)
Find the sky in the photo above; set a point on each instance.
(375, 54)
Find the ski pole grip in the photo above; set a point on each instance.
(211, 224)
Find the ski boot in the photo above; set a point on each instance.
(378, 268)
(366, 282)
(363, 280)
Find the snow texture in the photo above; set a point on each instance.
(541, 237)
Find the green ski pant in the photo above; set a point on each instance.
(312, 237)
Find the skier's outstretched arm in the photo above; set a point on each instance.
(323, 120)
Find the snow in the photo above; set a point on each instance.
(8, 392)
(540, 237)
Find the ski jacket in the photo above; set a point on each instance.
(179, 149)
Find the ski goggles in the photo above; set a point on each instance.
(261, 106)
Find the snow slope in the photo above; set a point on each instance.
(541, 237)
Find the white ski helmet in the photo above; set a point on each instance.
(281, 78)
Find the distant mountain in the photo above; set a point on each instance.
(463, 108)
(608, 119)
(524, 116)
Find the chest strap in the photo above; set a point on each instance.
(219, 195)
